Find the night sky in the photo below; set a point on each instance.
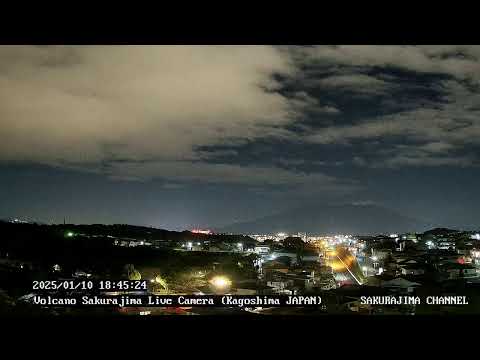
(204, 136)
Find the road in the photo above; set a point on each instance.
(345, 267)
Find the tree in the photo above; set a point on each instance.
(161, 281)
(132, 273)
(293, 242)
(297, 244)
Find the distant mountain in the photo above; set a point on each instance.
(359, 219)
(440, 231)
(115, 231)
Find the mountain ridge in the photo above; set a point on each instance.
(355, 219)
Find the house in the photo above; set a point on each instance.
(252, 287)
(273, 266)
(281, 286)
(413, 269)
(307, 256)
(400, 285)
(446, 244)
(262, 249)
(279, 282)
(458, 271)
(381, 253)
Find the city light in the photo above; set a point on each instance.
(200, 231)
(374, 258)
(70, 234)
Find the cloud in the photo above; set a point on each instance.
(218, 173)
(423, 160)
(426, 59)
(450, 121)
(430, 133)
(355, 82)
(141, 112)
(357, 160)
(71, 102)
(437, 147)
(363, 203)
(84, 106)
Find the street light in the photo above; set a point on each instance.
(221, 282)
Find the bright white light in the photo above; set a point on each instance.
(364, 268)
(281, 234)
(198, 243)
(380, 271)
(374, 258)
(220, 282)
(189, 244)
(239, 244)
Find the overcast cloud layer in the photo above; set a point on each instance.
(84, 106)
(190, 113)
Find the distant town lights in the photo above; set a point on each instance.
(200, 231)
